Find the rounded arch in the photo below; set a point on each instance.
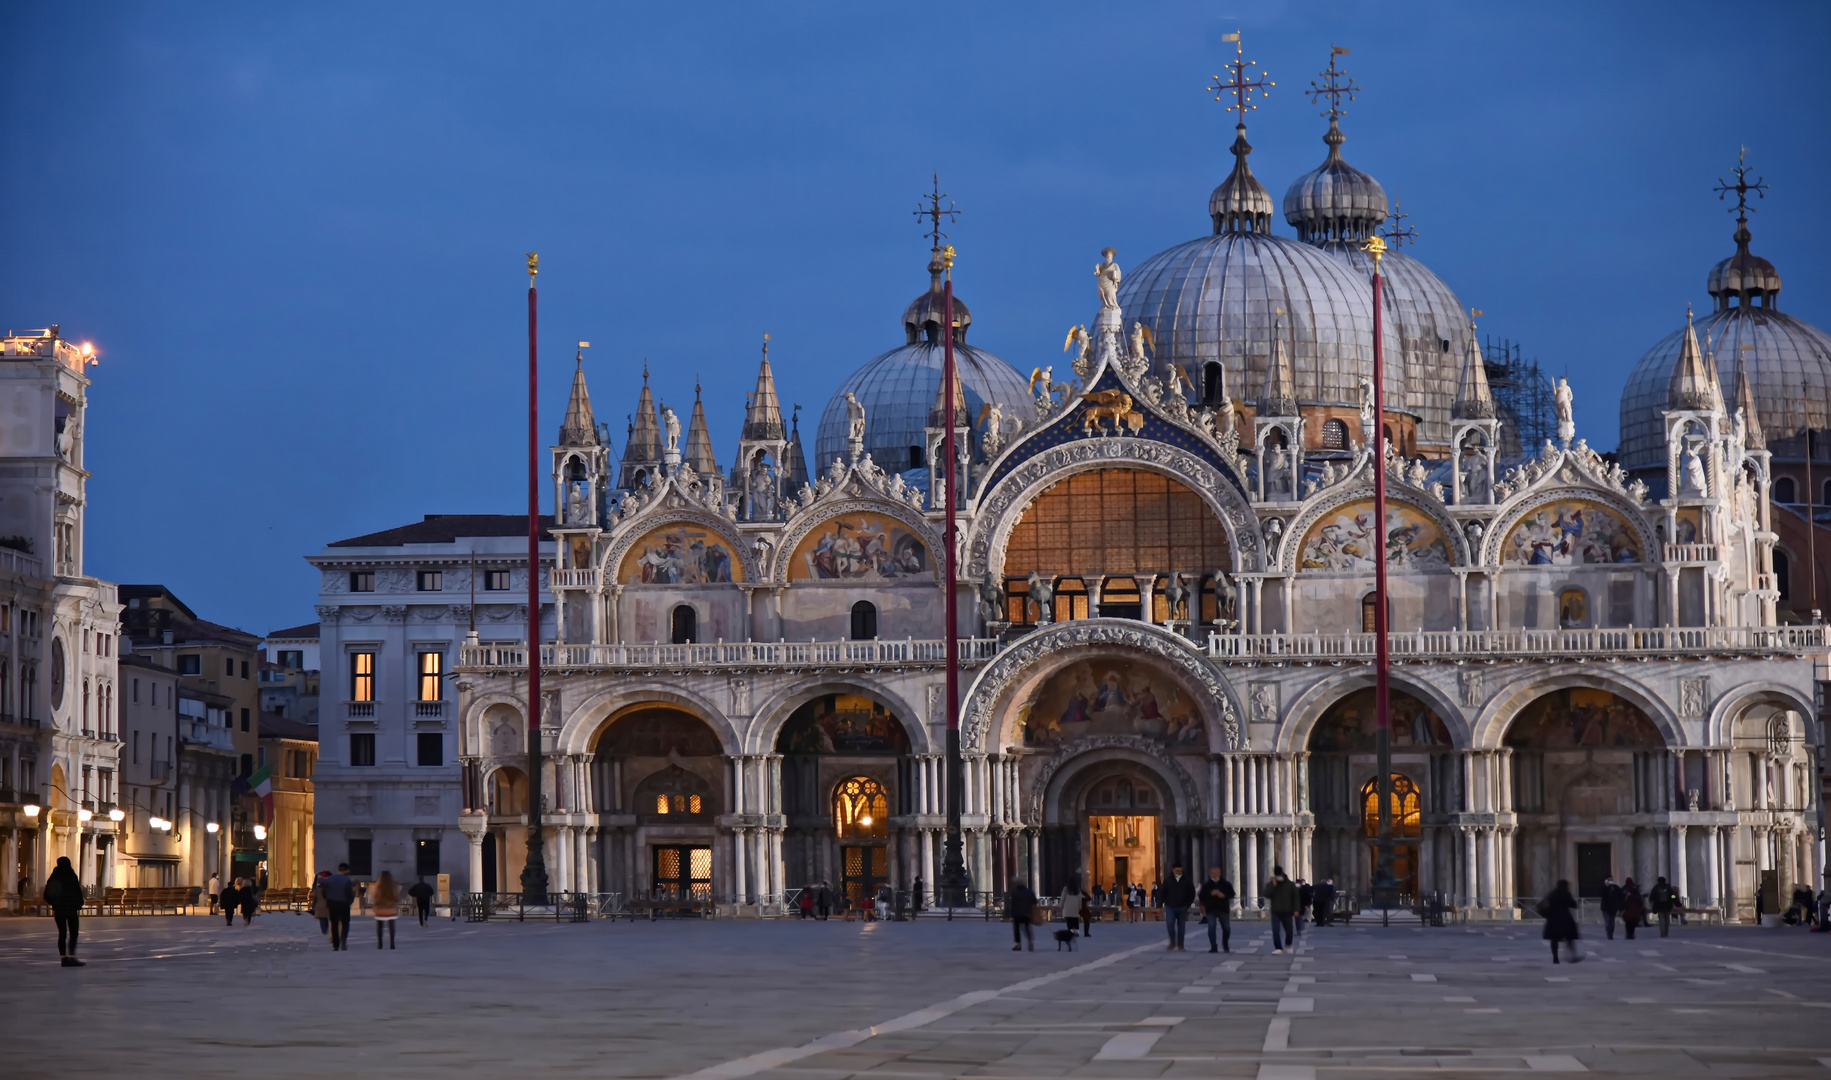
(1171, 527)
(1490, 726)
(1436, 541)
(999, 508)
(498, 722)
(803, 525)
(773, 712)
(1719, 727)
(580, 730)
(1304, 712)
(1554, 506)
(1078, 764)
(1020, 672)
(743, 558)
(505, 790)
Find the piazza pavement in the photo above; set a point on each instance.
(786, 1000)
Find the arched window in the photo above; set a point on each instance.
(1369, 608)
(1782, 582)
(1334, 435)
(686, 625)
(1214, 386)
(1573, 609)
(508, 792)
(1386, 429)
(916, 457)
(674, 794)
(861, 809)
(1825, 496)
(1404, 807)
(1784, 491)
(864, 621)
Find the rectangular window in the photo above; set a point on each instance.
(431, 580)
(244, 669)
(136, 691)
(496, 581)
(362, 676)
(432, 748)
(136, 748)
(432, 671)
(292, 659)
(361, 856)
(362, 748)
(362, 581)
(426, 858)
(244, 719)
(228, 668)
(190, 665)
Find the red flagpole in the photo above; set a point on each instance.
(1384, 886)
(955, 882)
(534, 873)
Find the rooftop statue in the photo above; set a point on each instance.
(1108, 274)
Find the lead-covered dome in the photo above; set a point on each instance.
(1787, 362)
(1335, 200)
(897, 388)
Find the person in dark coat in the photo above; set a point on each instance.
(1611, 901)
(1633, 908)
(1216, 896)
(1325, 901)
(1306, 900)
(251, 902)
(823, 901)
(340, 895)
(422, 899)
(1020, 907)
(1281, 893)
(64, 893)
(231, 899)
(1559, 909)
(1662, 900)
(1177, 893)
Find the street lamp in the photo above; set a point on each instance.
(32, 809)
(260, 832)
(212, 827)
(84, 814)
(117, 814)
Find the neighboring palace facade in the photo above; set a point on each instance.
(1166, 567)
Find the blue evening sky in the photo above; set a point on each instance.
(296, 231)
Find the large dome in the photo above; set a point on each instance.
(1433, 330)
(898, 388)
(1788, 366)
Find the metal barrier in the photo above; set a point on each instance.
(560, 907)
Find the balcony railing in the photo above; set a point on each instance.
(18, 562)
(574, 579)
(1691, 553)
(361, 710)
(1551, 644)
(423, 709)
(744, 654)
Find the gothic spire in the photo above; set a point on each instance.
(796, 474)
(1756, 439)
(643, 450)
(1280, 397)
(1474, 400)
(579, 428)
(1690, 386)
(699, 440)
(763, 416)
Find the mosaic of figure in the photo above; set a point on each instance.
(842, 724)
(1112, 698)
(678, 555)
(1579, 717)
(1565, 534)
(1351, 726)
(1345, 540)
(865, 547)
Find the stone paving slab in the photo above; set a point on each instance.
(186, 996)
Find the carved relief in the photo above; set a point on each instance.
(1469, 681)
(1265, 703)
(1693, 695)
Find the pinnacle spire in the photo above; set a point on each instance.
(937, 414)
(1690, 386)
(579, 428)
(1756, 439)
(699, 439)
(796, 474)
(1474, 399)
(643, 449)
(763, 416)
(1280, 398)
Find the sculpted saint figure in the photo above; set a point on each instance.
(1562, 396)
(672, 424)
(1108, 275)
(855, 419)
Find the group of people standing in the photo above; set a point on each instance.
(1288, 902)
(241, 895)
(335, 895)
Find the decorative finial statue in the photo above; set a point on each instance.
(533, 267)
(855, 426)
(672, 424)
(1367, 411)
(1108, 275)
(1567, 428)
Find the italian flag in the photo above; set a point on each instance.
(261, 784)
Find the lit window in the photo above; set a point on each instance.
(432, 670)
(362, 676)
(661, 804)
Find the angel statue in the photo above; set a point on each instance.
(1083, 356)
(1180, 383)
(1141, 337)
(991, 422)
(1049, 395)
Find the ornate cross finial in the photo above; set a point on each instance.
(766, 347)
(1742, 187)
(1241, 87)
(1395, 232)
(533, 267)
(934, 212)
(1334, 84)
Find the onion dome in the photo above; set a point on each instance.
(1335, 200)
(899, 387)
(1785, 363)
(1241, 203)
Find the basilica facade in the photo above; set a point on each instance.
(1166, 562)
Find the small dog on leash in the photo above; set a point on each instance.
(1065, 937)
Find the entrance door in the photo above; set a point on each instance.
(489, 863)
(863, 870)
(1122, 850)
(1404, 869)
(1593, 868)
(683, 873)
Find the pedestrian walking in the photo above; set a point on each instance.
(1663, 899)
(1074, 904)
(1281, 892)
(1216, 897)
(63, 892)
(321, 908)
(1325, 902)
(385, 899)
(422, 899)
(823, 901)
(1559, 909)
(806, 901)
(1020, 907)
(339, 894)
(919, 895)
(1306, 896)
(886, 901)
(216, 889)
(1633, 908)
(1177, 893)
(1611, 901)
(230, 899)
(250, 901)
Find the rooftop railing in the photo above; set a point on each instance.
(1548, 644)
(746, 654)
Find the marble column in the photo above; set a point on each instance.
(1471, 873)
(740, 845)
(1713, 890)
(1249, 869)
(928, 863)
(1284, 853)
(1233, 872)
(1679, 862)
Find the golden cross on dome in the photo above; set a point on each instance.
(1395, 232)
(1241, 87)
(934, 212)
(1333, 84)
(1742, 187)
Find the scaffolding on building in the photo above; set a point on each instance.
(1523, 395)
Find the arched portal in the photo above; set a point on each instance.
(1343, 795)
(660, 771)
(1587, 774)
(848, 784)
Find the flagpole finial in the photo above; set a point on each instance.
(533, 267)
(1376, 247)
